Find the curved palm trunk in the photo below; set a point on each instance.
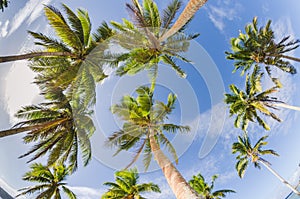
(189, 11)
(34, 54)
(15, 131)
(296, 108)
(279, 177)
(178, 184)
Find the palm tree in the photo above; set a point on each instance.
(189, 11)
(56, 128)
(3, 4)
(51, 182)
(258, 47)
(140, 40)
(247, 154)
(200, 186)
(143, 131)
(75, 40)
(126, 186)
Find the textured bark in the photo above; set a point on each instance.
(279, 177)
(189, 11)
(34, 54)
(15, 131)
(177, 183)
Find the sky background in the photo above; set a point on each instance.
(207, 149)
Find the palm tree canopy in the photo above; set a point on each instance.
(200, 186)
(140, 39)
(258, 46)
(63, 130)
(139, 114)
(246, 104)
(126, 186)
(50, 181)
(248, 153)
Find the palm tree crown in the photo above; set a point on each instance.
(246, 104)
(200, 186)
(140, 40)
(51, 182)
(258, 47)
(249, 153)
(127, 187)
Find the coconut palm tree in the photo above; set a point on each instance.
(247, 104)
(3, 4)
(57, 129)
(140, 40)
(127, 187)
(74, 41)
(248, 153)
(51, 181)
(258, 47)
(189, 11)
(200, 186)
(143, 130)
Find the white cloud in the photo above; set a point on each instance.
(86, 192)
(222, 12)
(3, 30)
(30, 11)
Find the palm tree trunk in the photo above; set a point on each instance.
(283, 105)
(279, 177)
(34, 54)
(189, 11)
(15, 131)
(177, 183)
(290, 58)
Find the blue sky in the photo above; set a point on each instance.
(199, 100)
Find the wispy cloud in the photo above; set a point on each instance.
(30, 12)
(222, 12)
(3, 28)
(86, 192)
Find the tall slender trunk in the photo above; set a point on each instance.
(283, 105)
(177, 183)
(279, 177)
(15, 131)
(34, 54)
(189, 11)
(290, 58)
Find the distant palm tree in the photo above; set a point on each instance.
(3, 4)
(258, 47)
(249, 153)
(56, 128)
(140, 40)
(127, 187)
(143, 131)
(189, 11)
(50, 182)
(200, 186)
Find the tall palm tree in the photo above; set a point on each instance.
(248, 153)
(74, 40)
(200, 186)
(140, 40)
(127, 187)
(143, 131)
(258, 47)
(51, 182)
(247, 104)
(57, 129)
(189, 11)
(3, 4)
